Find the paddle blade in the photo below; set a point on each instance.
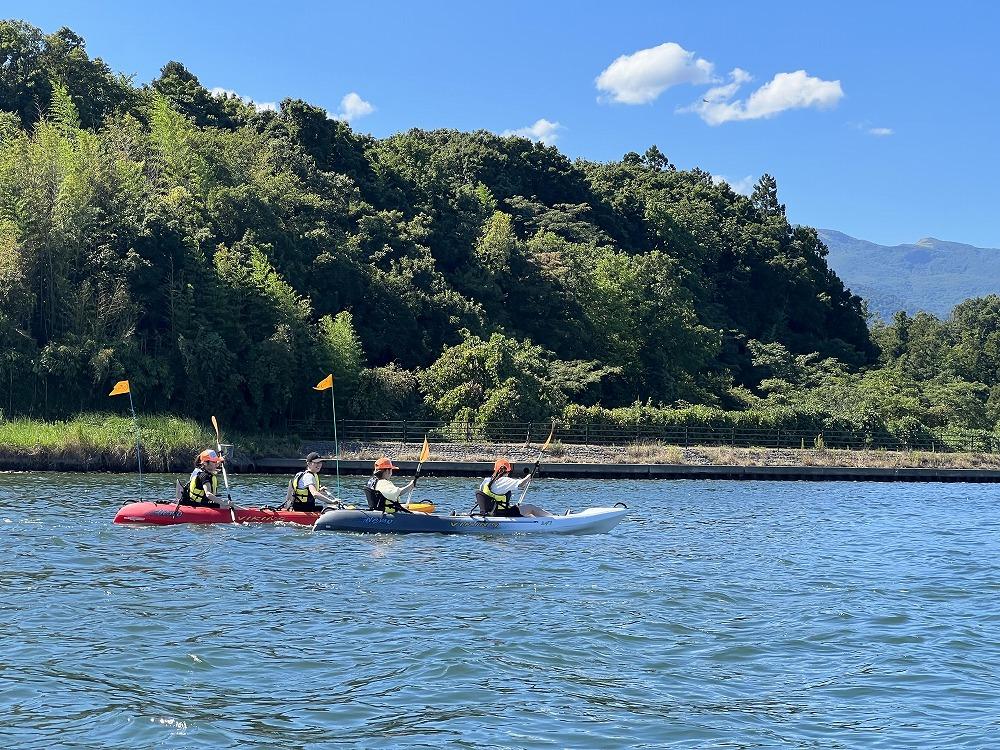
(426, 451)
(551, 433)
(215, 424)
(120, 387)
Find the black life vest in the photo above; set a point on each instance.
(500, 503)
(378, 501)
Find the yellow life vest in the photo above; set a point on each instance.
(502, 502)
(196, 492)
(300, 495)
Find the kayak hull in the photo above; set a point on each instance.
(590, 521)
(162, 514)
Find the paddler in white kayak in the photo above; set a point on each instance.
(304, 489)
(495, 492)
(203, 484)
(382, 494)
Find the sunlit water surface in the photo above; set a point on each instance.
(719, 614)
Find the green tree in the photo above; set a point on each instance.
(341, 352)
(388, 392)
(501, 379)
(975, 330)
(267, 329)
(185, 94)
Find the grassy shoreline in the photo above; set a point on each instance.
(101, 442)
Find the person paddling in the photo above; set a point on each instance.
(382, 494)
(203, 484)
(304, 489)
(495, 491)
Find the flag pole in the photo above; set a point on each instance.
(322, 385)
(138, 456)
(336, 445)
(122, 386)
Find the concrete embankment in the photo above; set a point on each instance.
(572, 461)
(653, 471)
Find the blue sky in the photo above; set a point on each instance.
(888, 133)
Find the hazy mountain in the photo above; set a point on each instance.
(931, 275)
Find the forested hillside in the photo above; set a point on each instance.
(225, 259)
(929, 275)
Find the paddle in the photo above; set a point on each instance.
(424, 453)
(225, 478)
(537, 462)
(180, 496)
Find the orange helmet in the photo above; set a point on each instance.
(502, 464)
(210, 456)
(384, 463)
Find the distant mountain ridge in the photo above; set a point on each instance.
(930, 274)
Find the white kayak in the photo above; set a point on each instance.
(589, 521)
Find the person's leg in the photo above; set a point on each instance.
(513, 511)
(533, 510)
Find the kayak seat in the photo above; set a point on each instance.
(370, 497)
(485, 502)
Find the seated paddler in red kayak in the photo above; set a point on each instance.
(304, 490)
(203, 485)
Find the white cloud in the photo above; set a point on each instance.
(542, 130)
(723, 93)
(644, 75)
(259, 106)
(352, 107)
(743, 185)
(785, 91)
(868, 129)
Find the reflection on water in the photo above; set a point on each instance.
(720, 614)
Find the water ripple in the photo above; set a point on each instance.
(720, 614)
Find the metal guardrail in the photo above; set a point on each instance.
(528, 433)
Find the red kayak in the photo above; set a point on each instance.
(162, 514)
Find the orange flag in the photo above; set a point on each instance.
(324, 384)
(120, 387)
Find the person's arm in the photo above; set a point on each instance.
(390, 491)
(317, 493)
(311, 480)
(503, 485)
(206, 486)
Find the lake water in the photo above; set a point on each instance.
(719, 614)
